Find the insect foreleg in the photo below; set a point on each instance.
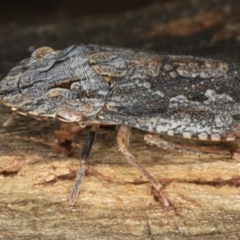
(9, 120)
(123, 143)
(84, 155)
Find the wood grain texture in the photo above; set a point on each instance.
(35, 183)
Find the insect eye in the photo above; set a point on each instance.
(41, 52)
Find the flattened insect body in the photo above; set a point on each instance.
(179, 96)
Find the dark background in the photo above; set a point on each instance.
(71, 8)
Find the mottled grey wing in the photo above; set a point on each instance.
(179, 96)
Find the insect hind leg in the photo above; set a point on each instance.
(123, 143)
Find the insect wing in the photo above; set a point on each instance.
(179, 96)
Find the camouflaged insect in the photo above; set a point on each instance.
(179, 96)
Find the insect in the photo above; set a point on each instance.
(178, 96)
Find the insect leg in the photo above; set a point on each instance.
(123, 143)
(84, 155)
(154, 139)
(9, 120)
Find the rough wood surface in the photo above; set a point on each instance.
(115, 201)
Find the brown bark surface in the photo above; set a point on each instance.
(115, 201)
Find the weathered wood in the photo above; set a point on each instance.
(35, 183)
